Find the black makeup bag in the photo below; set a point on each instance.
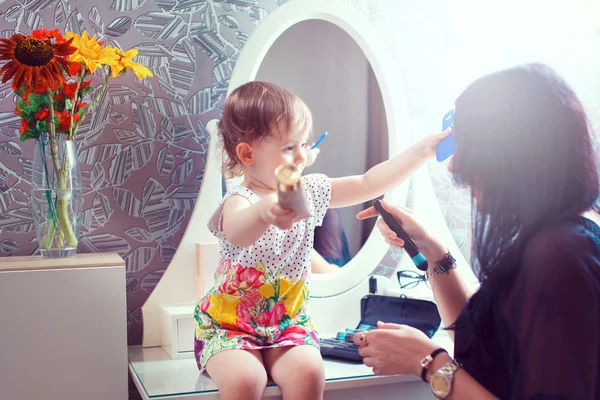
(420, 314)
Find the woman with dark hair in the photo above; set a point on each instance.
(532, 330)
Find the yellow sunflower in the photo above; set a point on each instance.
(90, 52)
(35, 60)
(125, 61)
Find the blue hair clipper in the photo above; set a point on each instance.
(447, 146)
(411, 248)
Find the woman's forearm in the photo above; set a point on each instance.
(464, 387)
(450, 291)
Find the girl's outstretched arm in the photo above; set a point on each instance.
(383, 177)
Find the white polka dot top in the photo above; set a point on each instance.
(288, 251)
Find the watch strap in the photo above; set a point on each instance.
(427, 360)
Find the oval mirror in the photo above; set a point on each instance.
(322, 64)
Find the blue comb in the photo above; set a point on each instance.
(321, 138)
(447, 146)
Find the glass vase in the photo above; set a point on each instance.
(56, 196)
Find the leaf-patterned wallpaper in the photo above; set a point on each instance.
(143, 148)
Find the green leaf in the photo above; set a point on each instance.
(285, 322)
(68, 104)
(30, 134)
(37, 100)
(271, 303)
(84, 92)
(42, 126)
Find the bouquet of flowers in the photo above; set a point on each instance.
(49, 75)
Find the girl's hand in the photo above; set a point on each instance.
(424, 240)
(429, 143)
(394, 349)
(272, 213)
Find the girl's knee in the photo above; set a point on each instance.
(244, 386)
(314, 372)
(251, 383)
(239, 375)
(308, 374)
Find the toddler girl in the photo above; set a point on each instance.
(255, 322)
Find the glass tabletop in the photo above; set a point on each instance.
(162, 376)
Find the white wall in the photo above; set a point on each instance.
(323, 65)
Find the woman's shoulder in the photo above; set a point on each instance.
(563, 248)
(563, 236)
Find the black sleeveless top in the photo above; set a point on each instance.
(539, 339)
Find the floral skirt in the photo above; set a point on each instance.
(252, 308)
(221, 339)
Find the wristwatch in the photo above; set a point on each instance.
(441, 380)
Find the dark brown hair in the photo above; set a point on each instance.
(524, 147)
(251, 112)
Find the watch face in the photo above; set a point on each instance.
(440, 384)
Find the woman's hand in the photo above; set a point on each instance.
(424, 240)
(394, 349)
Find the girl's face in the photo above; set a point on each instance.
(273, 150)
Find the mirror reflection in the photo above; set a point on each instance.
(323, 65)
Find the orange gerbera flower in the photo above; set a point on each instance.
(35, 60)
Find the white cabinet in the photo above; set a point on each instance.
(63, 332)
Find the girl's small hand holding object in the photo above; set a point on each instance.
(273, 214)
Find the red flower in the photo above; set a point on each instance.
(42, 115)
(245, 280)
(251, 305)
(232, 334)
(228, 327)
(69, 90)
(47, 34)
(24, 126)
(35, 62)
(294, 332)
(17, 111)
(205, 304)
(39, 89)
(64, 120)
(273, 317)
(246, 327)
(74, 68)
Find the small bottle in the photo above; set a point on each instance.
(290, 191)
(372, 285)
